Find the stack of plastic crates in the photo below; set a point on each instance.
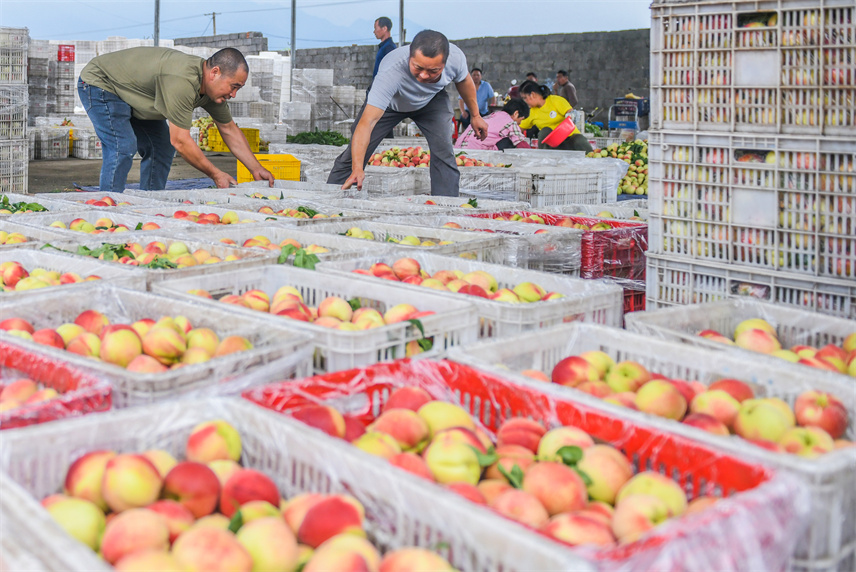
(752, 151)
(13, 110)
(39, 55)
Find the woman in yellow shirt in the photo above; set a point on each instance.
(546, 112)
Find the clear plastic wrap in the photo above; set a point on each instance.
(395, 182)
(793, 327)
(246, 214)
(128, 218)
(464, 244)
(43, 199)
(316, 161)
(453, 323)
(126, 199)
(829, 541)
(459, 206)
(248, 205)
(80, 393)
(35, 236)
(14, 164)
(585, 300)
(753, 526)
(557, 250)
(621, 210)
(400, 511)
(278, 349)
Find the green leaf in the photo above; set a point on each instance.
(237, 522)
(355, 304)
(514, 477)
(304, 260)
(281, 196)
(307, 210)
(636, 213)
(418, 325)
(286, 251)
(586, 479)
(271, 218)
(473, 202)
(570, 455)
(139, 226)
(425, 344)
(486, 459)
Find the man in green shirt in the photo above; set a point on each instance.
(142, 100)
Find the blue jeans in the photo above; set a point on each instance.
(122, 136)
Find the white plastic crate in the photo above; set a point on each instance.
(13, 111)
(167, 212)
(720, 200)
(778, 67)
(73, 212)
(401, 509)
(391, 181)
(584, 300)
(30, 259)
(35, 236)
(279, 350)
(326, 211)
(14, 166)
(86, 145)
(248, 258)
(673, 282)
(416, 204)
(621, 210)
(454, 323)
(527, 157)
(51, 143)
(46, 200)
(831, 537)
(13, 64)
(464, 244)
(402, 142)
(124, 201)
(557, 250)
(188, 196)
(299, 190)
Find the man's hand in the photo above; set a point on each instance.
(479, 126)
(263, 174)
(224, 180)
(356, 178)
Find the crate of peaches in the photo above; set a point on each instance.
(79, 223)
(16, 236)
(780, 334)
(20, 205)
(150, 347)
(36, 390)
(508, 300)
(22, 271)
(765, 412)
(215, 215)
(353, 323)
(226, 485)
(620, 493)
(108, 199)
(159, 257)
(301, 211)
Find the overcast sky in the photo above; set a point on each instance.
(320, 23)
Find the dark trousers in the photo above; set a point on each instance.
(435, 122)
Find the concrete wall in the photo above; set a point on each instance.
(601, 65)
(250, 43)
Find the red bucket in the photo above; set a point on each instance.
(560, 133)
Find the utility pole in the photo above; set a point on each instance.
(293, 53)
(402, 33)
(157, 22)
(214, 20)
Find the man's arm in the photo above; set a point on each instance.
(360, 143)
(467, 90)
(190, 152)
(462, 107)
(237, 143)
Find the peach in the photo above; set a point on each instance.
(204, 338)
(735, 388)
(80, 518)
(257, 509)
(194, 485)
(244, 486)
(146, 364)
(655, 484)
(602, 361)
(178, 518)
(762, 419)
(232, 344)
(378, 444)
(257, 300)
(13, 273)
(335, 307)
(161, 459)
(520, 431)
(164, 344)
(579, 528)
(143, 326)
(456, 284)
(270, 543)
(661, 398)
(636, 515)
(707, 423)
(19, 390)
(152, 560)
(715, 336)
(465, 436)
(754, 324)
(607, 469)
(414, 560)
(597, 389)
(322, 417)
(343, 552)
(700, 503)
(434, 284)
(529, 292)
(209, 549)
(235, 300)
(573, 371)
(86, 344)
(624, 399)
(42, 395)
(558, 487)
(381, 270)
(354, 429)
(11, 324)
(407, 398)
(405, 426)
(92, 321)
(406, 267)
(535, 374)
(69, 331)
(130, 481)
(9, 404)
(768, 445)
(120, 347)
(599, 510)
(819, 409)
(85, 476)
(399, 313)
(509, 456)
(807, 442)
(492, 488)
(521, 506)
(328, 517)
(48, 337)
(718, 404)
(133, 530)
(452, 462)
(412, 463)
(441, 415)
(296, 507)
(555, 439)
(192, 356)
(224, 468)
(468, 491)
(627, 376)
(213, 440)
(757, 341)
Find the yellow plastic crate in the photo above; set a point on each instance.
(217, 144)
(283, 167)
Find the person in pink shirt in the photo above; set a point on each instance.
(503, 131)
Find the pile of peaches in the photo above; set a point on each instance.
(159, 254)
(558, 481)
(149, 511)
(261, 241)
(15, 278)
(11, 237)
(101, 225)
(229, 217)
(146, 346)
(23, 391)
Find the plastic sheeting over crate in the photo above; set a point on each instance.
(621, 210)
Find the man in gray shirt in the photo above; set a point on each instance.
(411, 83)
(564, 88)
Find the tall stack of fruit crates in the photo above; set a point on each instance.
(14, 155)
(752, 153)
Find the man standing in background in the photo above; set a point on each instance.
(484, 96)
(382, 31)
(564, 88)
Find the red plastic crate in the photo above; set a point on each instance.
(617, 253)
(80, 393)
(634, 300)
(717, 539)
(65, 53)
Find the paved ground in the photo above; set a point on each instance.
(46, 176)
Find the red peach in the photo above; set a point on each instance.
(130, 481)
(412, 463)
(19, 390)
(567, 436)
(468, 491)
(244, 486)
(85, 476)
(354, 428)
(161, 459)
(414, 560)
(718, 404)
(178, 518)
(462, 435)
(405, 426)
(330, 516)
(232, 344)
(296, 508)
(599, 389)
(407, 398)
(558, 487)
(146, 364)
(820, 409)
(120, 347)
(10, 324)
(86, 344)
(92, 321)
(270, 543)
(578, 528)
(321, 417)
(213, 440)
(209, 549)
(48, 337)
(134, 530)
(194, 485)
(573, 371)
(492, 488)
(608, 470)
(164, 344)
(510, 455)
(521, 506)
(152, 560)
(520, 431)
(735, 388)
(707, 423)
